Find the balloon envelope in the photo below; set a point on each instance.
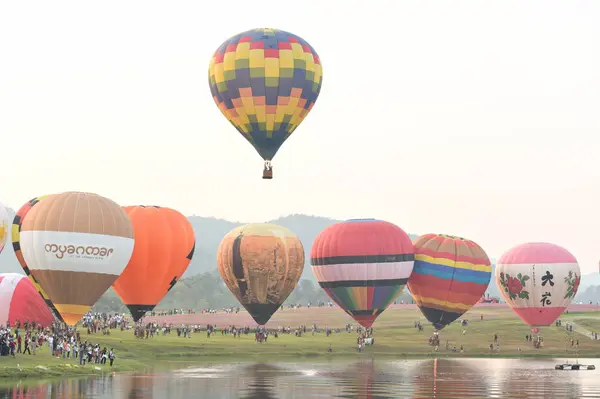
(76, 245)
(19, 300)
(16, 241)
(265, 82)
(538, 281)
(450, 276)
(261, 265)
(4, 220)
(163, 249)
(362, 265)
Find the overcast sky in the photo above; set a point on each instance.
(474, 118)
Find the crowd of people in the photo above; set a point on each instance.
(60, 340)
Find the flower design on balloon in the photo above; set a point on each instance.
(573, 281)
(514, 286)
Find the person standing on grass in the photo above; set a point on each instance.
(27, 340)
(111, 356)
(33, 344)
(82, 355)
(19, 339)
(51, 345)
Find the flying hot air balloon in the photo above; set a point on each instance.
(164, 246)
(265, 82)
(76, 245)
(538, 281)
(4, 220)
(16, 241)
(363, 265)
(261, 265)
(451, 274)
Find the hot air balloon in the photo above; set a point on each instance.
(76, 245)
(4, 220)
(19, 300)
(363, 265)
(16, 241)
(261, 265)
(265, 82)
(164, 246)
(450, 276)
(538, 281)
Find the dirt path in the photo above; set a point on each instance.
(580, 329)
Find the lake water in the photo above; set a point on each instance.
(428, 378)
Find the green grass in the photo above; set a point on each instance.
(395, 337)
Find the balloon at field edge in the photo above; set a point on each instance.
(538, 281)
(261, 264)
(362, 265)
(4, 220)
(76, 245)
(265, 82)
(163, 249)
(21, 301)
(16, 242)
(451, 274)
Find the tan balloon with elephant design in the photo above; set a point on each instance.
(261, 265)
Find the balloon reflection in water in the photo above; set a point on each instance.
(262, 384)
(366, 379)
(25, 391)
(64, 389)
(436, 378)
(136, 385)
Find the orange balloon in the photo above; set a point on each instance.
(164, 246)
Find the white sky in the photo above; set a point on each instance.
(475, 118)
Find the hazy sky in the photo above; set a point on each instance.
(474, 118)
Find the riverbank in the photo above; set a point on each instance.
(395, 337)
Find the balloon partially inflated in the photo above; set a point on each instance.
(76, 245)
(164, 246)
(16, 241)
(261, 265)
(538, 281)
(4, 229)
(21, 301)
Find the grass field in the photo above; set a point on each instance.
(395, 336)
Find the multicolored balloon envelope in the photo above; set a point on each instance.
(19, 300)
(16, 241)
(265, 82)
(261, 265)
(4, 220)
(76, 245)
(363, 265)
(164, 246)
(451, 275)
(538, 281)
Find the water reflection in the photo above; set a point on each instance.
(417, 379)
(367, 379)
(262, 380)
(136, 385)
(64, 389)
(437, 378)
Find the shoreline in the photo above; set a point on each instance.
(396, 338)
(70, 370)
